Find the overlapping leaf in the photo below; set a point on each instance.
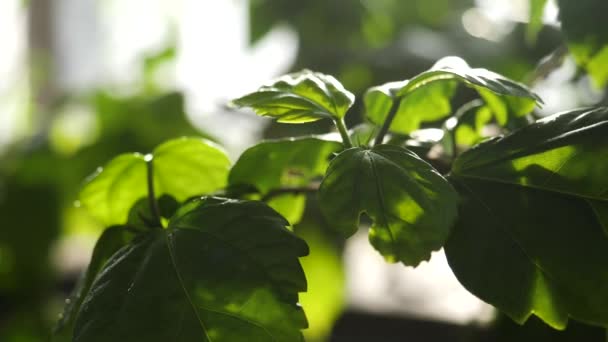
(411, 205)
(223, 270)
(272, 165)
(183, 168)
(426, 97)
(300, 97)
(530, 238)
(108, 244)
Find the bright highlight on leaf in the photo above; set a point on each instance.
(530, 237)
(412, 206)
(426, 97)
(222, 271)
(183, 168)
(300, 97)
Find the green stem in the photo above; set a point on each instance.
(151, 196)
(343, 132)
(388, 121)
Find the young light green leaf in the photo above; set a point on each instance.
(186, 167)
(183, 168)
(223, 270)
(412, 206)
(303, 96)
(112, 190)
(424, 104)
(426, 97)
(290, 163)
(583, 24)
(530, 237)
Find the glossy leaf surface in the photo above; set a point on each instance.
(272, 165)
(223, 270)
(426, 97)
(183, 168)
(300, 97)
(411, 205)
(530, 237)
(108, 244)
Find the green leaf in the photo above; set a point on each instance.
(530, 237)
(426, 97)
(411, 205)
(424, 104)
(112, 190)
(288, 163)
(186, 167)
(362, 134)
(535, 18)
(223, 270)
(561, 153)
(111, 240)
(303, 96)
(183, 168)
(583, 24)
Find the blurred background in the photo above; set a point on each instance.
(84, 80)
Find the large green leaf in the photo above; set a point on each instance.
(411, 205)
(426, 97)
(530, 237)
(288, 163)
(223, 270)
(303, 96)
(108, 244)
(183, 168)
(584, 25)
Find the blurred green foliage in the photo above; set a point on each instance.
(363, 43)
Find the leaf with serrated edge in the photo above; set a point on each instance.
(223, 270)
(438, 83)
(300, 97)
(530, 237)
(412, 206)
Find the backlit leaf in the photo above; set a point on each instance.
(300, 97)
(276, 164)
(530, 237)
(426, 97)
(183, 168)
(411, 205)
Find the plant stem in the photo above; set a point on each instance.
(151, 196)
(343, 132)
(388, 121)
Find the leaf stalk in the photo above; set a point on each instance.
(343, 132)
(154, 209)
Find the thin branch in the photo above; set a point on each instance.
(388, 121)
